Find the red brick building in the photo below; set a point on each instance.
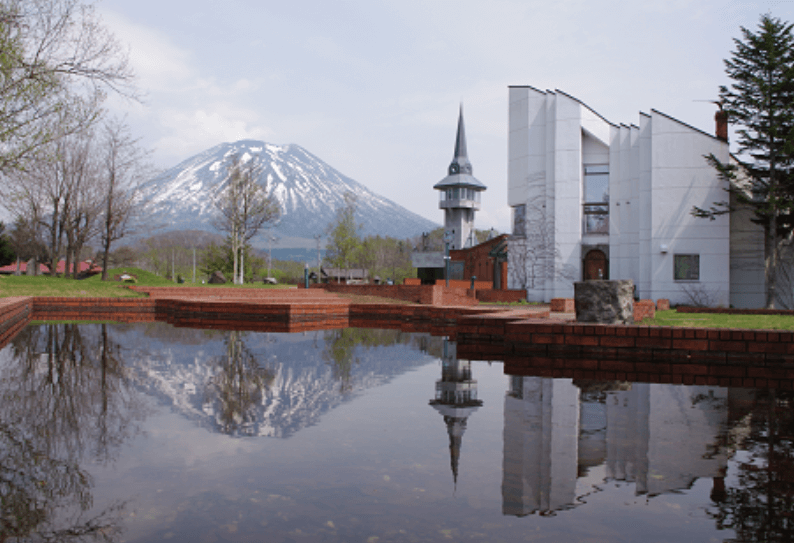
(476, 261)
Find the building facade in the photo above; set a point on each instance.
(592, 199)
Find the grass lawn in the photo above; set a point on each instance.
(44, 285)
(713, 320)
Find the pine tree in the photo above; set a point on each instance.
(760, 103)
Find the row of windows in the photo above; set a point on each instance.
(460, 193)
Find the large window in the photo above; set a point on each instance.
(596, 199)
(686, 267)
(520, 221)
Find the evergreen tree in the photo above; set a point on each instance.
(7, 254)
(760, 102)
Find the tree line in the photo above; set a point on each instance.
(384, 257)
(71, 174)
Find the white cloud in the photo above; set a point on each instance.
(158, 63)
(188, 132)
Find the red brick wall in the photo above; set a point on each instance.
(720, 357)
(563, 305)
(723, 357)
(478, 263)
(644, 309)
(662, 304)
(412, 281)
(501, 295)
(463, 283)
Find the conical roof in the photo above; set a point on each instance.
(460, 170)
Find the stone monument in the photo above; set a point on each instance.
(604, 302)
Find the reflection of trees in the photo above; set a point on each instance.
(761, 505)
(64, 397)
(340, 346)
(238, 385)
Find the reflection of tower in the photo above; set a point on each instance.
(456, 399)
(541, 431)
(460, 194)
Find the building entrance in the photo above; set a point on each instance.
(595, 265)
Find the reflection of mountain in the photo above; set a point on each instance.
(660, 437)
(303, 375)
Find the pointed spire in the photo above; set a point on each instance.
(460, 163)
(460, 142)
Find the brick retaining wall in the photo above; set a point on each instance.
(14, 316)
(563, 305)
(723, 357)
(508, 296)
(750, 358)
(644, 309)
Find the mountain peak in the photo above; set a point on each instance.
(308, 190)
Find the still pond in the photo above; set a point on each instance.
(153, 433)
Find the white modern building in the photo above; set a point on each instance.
(593, 199)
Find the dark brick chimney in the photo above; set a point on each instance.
(721, 119)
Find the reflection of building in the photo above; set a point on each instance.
(660, 437)
(456, 399)
(540, 445)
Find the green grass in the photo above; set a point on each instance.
(715, 320)
(44, 285)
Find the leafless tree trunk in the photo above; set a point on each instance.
(244, 208)
(123, 168)
(533, 253)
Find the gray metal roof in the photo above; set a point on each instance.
(460, 180)
(460, 169)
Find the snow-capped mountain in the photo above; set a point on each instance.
(308, 190)
(301, 388)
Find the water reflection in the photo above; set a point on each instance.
(72, 396)
(758, 499)
(456, 400)
(237, 384)
(660, 438)
(65, 398)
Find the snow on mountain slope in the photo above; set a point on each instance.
(308, 190)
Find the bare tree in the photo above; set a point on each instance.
(58, 62)
(48, 192)
(123, 168)
(533, 253)
(244, 208)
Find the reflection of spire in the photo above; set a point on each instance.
(456, 399)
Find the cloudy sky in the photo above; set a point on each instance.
(372, 87)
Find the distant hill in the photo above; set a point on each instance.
(308, 190)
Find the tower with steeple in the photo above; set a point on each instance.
(460, 194)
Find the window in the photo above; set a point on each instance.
(596, 199)
(686, 267)
(519, 221)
